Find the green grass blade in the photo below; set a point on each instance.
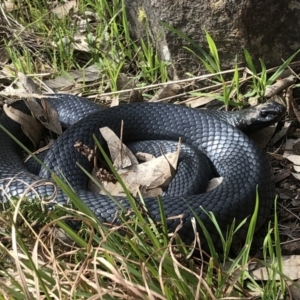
(249, 61)
(206, 56)
(74, 197)
(214, 51)
(71, 234)
(273, 78)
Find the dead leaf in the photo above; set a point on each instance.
(282, 175)
(294, 289)
(294, 158)
(91, 73)
(296, 148)
(149, 176)
(27, 84)
(296, 175)
(114, 101)
(291, 269)
(135, 96)
(10, 5)
(22, 87)
(280, 134)
(45, 113)
(116, 189)
(31, 127)
(213, 183)
(80, 41)
(289, 154)
(121, 156)
(144, 156)
(64, 9)
(42, 110)
(124, 83)
(168, 91)
(253, 101)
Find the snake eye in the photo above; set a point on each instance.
(269, 113)
(263, 113)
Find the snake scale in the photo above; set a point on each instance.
(234, 156)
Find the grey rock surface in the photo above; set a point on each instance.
(268, 29)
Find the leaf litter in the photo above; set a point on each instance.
(150, 178)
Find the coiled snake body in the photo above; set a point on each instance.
(235, 157)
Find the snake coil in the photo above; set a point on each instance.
(243, 166)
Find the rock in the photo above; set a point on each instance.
(267, 29)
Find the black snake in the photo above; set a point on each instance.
(234, 156)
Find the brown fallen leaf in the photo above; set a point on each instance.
(151, 175)
(23, 87)
(289, 154)
(135, 96)
(290, 264)
(213, 183)
(30, 126)
(42, 110)
(168, 91)
(63, 10)
(46, 114)
(144, 156)
(296, 147)
(27, 84)
(121, 156)
(124, 82)
(294, 158)
(114, 101)
(281, 133)
(10, 5)
(91, 73)
(281, 176)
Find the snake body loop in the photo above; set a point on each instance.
(243, 166)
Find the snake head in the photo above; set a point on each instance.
(271, 111)
(264, 114)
